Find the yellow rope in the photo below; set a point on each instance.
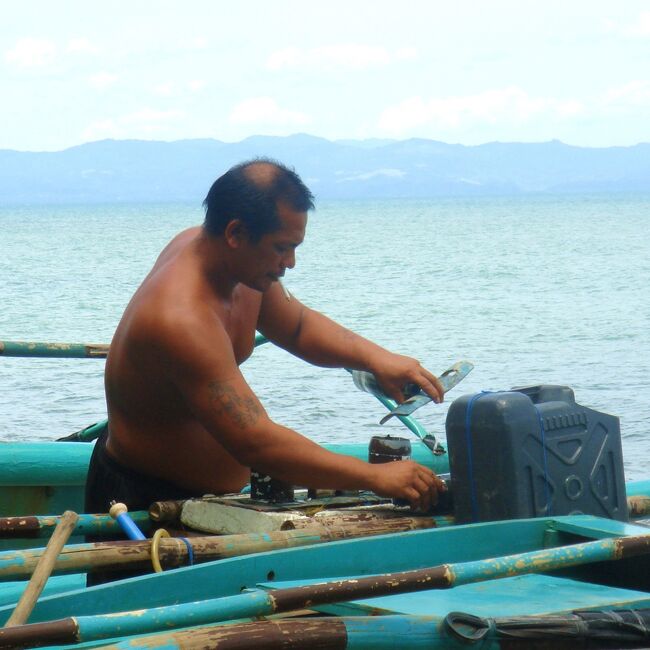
(155, 553)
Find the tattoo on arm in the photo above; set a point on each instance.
(225, 400)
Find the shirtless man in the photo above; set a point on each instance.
(182, 419)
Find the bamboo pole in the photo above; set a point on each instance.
(53, 350)
(42, 349)
(258, 602)
(323, 633)
(40, 526)
(557, 632)
(120, 555)
(638, 506)
(43, 569)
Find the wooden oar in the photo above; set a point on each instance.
(43, 569)
(258, 602)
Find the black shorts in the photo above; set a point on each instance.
(108, 480)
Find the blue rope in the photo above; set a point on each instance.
(547, 493)
(470, 459)
(190, 550)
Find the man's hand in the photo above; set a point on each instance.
(405, 479)
(394, 371)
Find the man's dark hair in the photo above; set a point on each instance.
(250, 191)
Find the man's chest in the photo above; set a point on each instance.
(240, 323)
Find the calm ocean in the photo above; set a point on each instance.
(531, 290)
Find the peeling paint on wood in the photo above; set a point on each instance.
(19, 527)
(316, 634)
(60, 350)
(23, 636)
(307, 596)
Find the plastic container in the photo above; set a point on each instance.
(532, 452)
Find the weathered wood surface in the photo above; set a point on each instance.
(43, 569)
(34, 526)
(236, 516)
(258, 602)
(115, 556)
(61, 350)
(288, 634)
(638, 506)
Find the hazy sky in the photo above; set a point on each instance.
(72, 72)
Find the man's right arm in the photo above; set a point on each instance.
(205, 371)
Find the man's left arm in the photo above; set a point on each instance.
(314, 337)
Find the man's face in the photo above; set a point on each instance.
(275, 252)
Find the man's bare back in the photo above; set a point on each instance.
(147, 414)
(179, 408)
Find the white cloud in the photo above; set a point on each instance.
(151, 116)
(288, 57)
(102, 80)
(81, 46)
(194, 43)
(642, 28)
(406, 54)
(146, 121)
(196, 85)
(639, 29)
(265, 110)
(634, 93)
(350, 55)
(31, 53)
(164, 89)
(384, 172)
(509, 104)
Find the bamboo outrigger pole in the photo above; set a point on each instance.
(66, 350)
(173, 552)
(622, 628)
(40, 526)
(53, 350)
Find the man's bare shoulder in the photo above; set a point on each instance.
(166, 322)
(176, 244)
(171, 316)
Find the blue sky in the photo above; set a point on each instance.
(73, 72)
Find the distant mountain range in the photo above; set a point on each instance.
(149, 171)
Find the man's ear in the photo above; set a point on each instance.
(235, 233)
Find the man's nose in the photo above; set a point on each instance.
(290, 259)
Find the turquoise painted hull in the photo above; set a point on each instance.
(50, 476)
(621, 583)
(45, 478)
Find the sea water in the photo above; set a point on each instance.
(546, 289)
